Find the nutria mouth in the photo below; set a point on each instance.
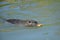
(24, 22)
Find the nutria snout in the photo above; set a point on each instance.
(24, 22)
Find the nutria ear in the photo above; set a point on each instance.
(29, 23)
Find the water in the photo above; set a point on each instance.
(46, 13)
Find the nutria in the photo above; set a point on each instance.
(24, 22)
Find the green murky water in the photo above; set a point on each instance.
(46, 12)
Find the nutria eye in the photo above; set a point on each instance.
(35, 22)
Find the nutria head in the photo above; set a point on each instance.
(32, 23)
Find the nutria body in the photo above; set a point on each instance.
(23, 22)
(16, 21)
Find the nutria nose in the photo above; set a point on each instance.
(38, 25)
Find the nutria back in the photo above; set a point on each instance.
(15, 21)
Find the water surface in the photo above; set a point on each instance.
(46, 12)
